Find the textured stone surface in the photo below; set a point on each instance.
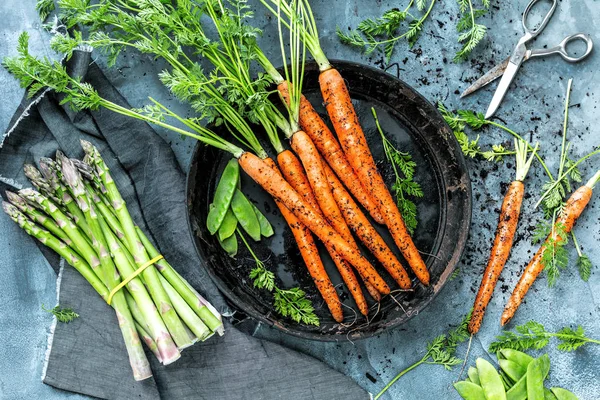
(533, 107)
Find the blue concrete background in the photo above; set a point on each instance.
(533, 107)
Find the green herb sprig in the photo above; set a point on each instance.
(64, 315)
(382, 33)
(405, 186)
(290, 303)
(471, 33)
(440, 351)
(534, 335)
(44, 8)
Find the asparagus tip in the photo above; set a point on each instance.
(13, 197)
(31, 172)
(10, 209)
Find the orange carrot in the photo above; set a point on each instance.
(507, 226)
(314, 126)
(345, 122)
(280, 189)
(563, 225)
(293, 172)
(505, 233)
(311, 160)
(311, 257)
(365, 231)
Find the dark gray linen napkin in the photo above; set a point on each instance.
(88, 355)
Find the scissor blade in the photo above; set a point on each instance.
(509, 74)
(489, 77)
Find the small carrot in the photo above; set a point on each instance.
(314, 167)
(312, 259)
(293, 172)
(563, 225)
(505, 233)
(314, 126)
(352, 138)
(365, 231)
(280, 189)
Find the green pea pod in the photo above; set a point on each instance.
(242, 208)
(473, 375)
(490, 379)
(517, 356)
(228, 225)
(469, 390)
(223, 195)
(230, 245)
(512, 369)
(519, 389)
(535, 380)
(506, 381)
(266, 229)
(548, 395)
(563, 394)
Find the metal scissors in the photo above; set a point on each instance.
(509, 67)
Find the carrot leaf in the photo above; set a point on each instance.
(584, 265)
(381, 33)
(44, 8)
(533, 335)
(64, 315)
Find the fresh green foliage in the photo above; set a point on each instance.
(382, 33)
(534, 335)
(290, 303)
(65, 314)
(293, 303)
(471, 33)
(465, 118)
(440, 351)
(584, 265)
(44, 8)
(555, 257)
(405, 186)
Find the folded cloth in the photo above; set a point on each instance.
(88, 355)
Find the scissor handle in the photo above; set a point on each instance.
(531, 33)
(561, 49)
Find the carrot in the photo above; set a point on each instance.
(563, 225)
(505, 233)
(345, 122)
(365, 231)
(314, 126)
(311, 257)
(313, 166)
(281, 190)
(293, 172)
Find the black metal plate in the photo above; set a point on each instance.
(413, 125)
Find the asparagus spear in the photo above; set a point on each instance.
(58, 246)
(50, 170)
(150, 343)
(150, 315)
(39, 182)
(137, 250)
(196, 302)
(37, 216)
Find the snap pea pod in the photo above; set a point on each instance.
(469, 390)
(223, 196)
(506, 381)
(242, 208)
(490, 379)
(563, 394)
(228, 225)
(516, 356)
(548, 395)
(514, 370)
(519, 389)
(535, 381)
(473, 375)
(266, 229)
(230, 245)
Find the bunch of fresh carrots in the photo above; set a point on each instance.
(79, 213)
(313, 187)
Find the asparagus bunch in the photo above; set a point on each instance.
(77, 211)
